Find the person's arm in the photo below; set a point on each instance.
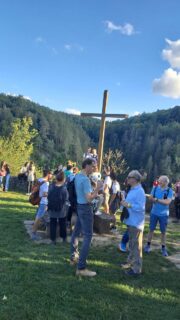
(162, 201)
(91, 195)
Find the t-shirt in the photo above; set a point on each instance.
(161, 209)
(43, 188)
(108, 182)
(82, 186)
(115, 187)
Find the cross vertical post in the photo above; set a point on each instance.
(102, 130)
(103, 117)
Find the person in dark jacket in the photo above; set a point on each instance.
(58, 206)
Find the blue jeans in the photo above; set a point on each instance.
(7, 182)
(84, 224)
(1, 180)
(125, 237)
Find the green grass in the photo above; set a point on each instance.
(40, 284)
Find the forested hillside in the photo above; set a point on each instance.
(149, 141)
(59, 137)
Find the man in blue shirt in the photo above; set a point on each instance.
(135, 204)
(84, 223)
(161, 196)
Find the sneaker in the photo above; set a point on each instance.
(147, 249)
(132, 273)
(164, 252)
(35, 237)
(85, 273)
(122, 247)
(125, 266)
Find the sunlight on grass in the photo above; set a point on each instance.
(156, 294)
(41, 285)
(40, 261)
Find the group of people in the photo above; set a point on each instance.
(4, 176)
(88, 188)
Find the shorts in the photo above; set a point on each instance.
(163, 221)
(41, 211)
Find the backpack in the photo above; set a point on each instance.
(57, 197)
(165, 196)
(34, 197)
(70, 184)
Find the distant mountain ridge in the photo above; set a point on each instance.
(150, 141)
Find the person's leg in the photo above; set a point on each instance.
(86, 218)
(137, 237)
(29, 186)
(152, 227)
(163, 221)
(178, 212)
(62, 228)
(177, 208)
(106, 203)
(7, 182)
(40, 213)
(1, 180)
(53, 224)
(74, 240)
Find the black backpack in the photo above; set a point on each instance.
(57, 197)
(70, 184)
(165, 196)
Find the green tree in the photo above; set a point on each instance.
(18, 147)
(116, 161)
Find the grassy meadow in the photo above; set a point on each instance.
(37, 282)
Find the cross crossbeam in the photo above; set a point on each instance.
(103, 117)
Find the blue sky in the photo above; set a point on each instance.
(64, 53)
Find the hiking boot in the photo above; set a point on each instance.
(147, 248)
(125, 266)
(122, 247)
(85, 273)
(132, 273)
(35, 237)
(164, 252)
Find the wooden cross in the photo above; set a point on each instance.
(103, 117)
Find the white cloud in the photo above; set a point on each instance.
(172, 53)
(54, 51)
(136, 113)
(168, 85)
(73, 111)
(18, 95)
(127, 29)
(76, 47)
(40, 40)
(68, 47)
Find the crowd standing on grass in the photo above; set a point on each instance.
(75, 195)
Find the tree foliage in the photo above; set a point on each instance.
(149, 141)
(18, 146)
(116, 161)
